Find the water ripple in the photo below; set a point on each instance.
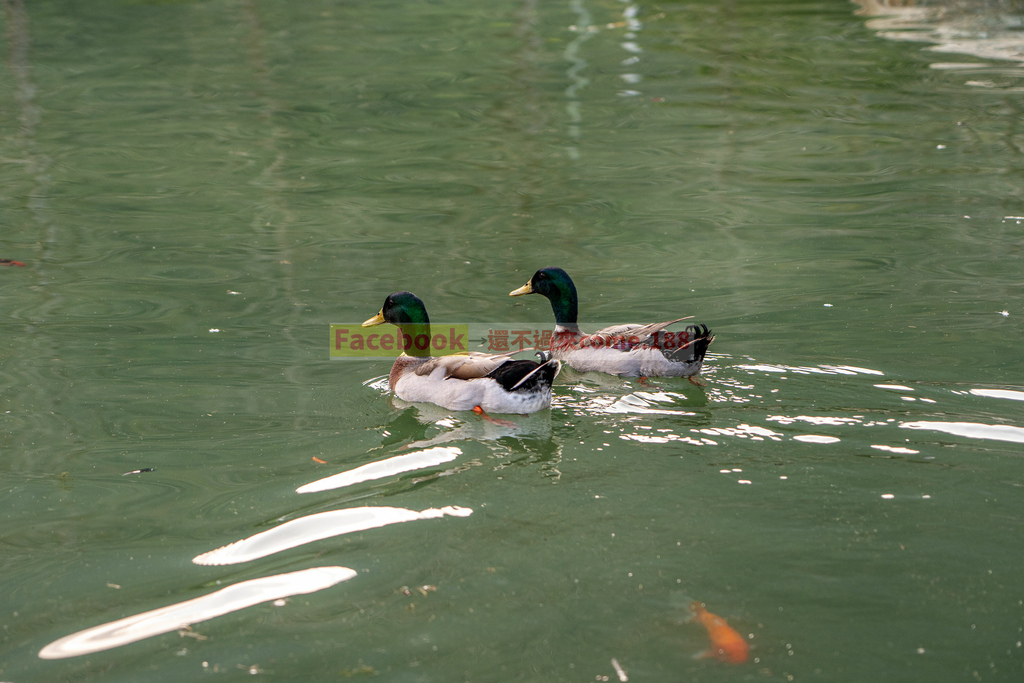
(183, 614)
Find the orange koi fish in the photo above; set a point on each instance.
(9, 262)
(726, 643)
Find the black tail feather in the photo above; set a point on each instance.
(694, 350)
(525, 375)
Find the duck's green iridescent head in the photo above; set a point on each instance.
(557, 286)
(401, 308)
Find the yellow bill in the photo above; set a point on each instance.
(525, 289)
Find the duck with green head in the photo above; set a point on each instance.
(492, 383)
(630, 350)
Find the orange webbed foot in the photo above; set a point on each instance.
(493, 420)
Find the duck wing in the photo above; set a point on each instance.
(473, 365)
(628, 337)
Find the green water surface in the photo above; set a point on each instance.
(198, 189)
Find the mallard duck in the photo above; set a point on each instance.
(491, 383)
(626, 350)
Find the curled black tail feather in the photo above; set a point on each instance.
(694, 350)
(525, 375)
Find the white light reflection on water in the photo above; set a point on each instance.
(639, 402)
(384, 468)
(814, 419)
(318, 527)
(895, 449)
(971, 430)
(742, 431)
(1000, 393)
(633, 27)
(379, 383)
(183, 614)
(894, 387)
(815, 438)
(660, 438)
(808, 370)
(723, 388)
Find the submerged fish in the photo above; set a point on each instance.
(726, 643)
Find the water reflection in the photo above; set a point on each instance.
(824, 428)
(585, 29)
(895, 449)
(631, 47)
(972, 430)
(1009, 394)
(184, 614)
(470, 427)
(816, 438)
(520, 439)
(810, 370)
(383, 468)
(638, 402)
(318, 527)
(577, 81)
(663, 415)
(981, 29)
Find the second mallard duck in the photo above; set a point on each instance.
(493, 383)
(628, 350)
